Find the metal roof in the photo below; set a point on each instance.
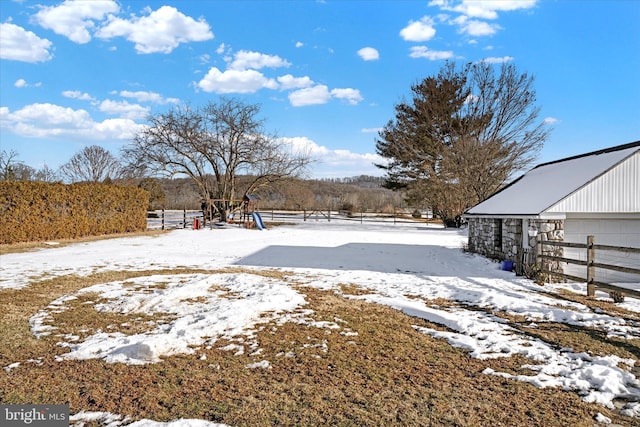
(547, 184)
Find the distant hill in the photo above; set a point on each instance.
(359, 193)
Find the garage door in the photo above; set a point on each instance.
(614, 232)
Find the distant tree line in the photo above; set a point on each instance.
(352, 194)
(95, 164)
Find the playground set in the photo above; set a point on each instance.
(250, 217)
(246, 208)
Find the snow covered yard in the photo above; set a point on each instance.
(190, 295)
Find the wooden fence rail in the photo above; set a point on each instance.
(173, 219)
(592, 264)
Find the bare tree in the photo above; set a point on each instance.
(46, 174)
(23, 172)
(213, 146)
(464, 133)
(91, 164)
(8, 163)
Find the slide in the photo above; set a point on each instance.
(258, 220)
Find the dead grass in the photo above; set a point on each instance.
(375, 370)
(604, 306)
(31, 246)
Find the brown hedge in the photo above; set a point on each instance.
(37, 211)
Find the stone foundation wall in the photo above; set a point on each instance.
(512, 239)
(551, 230)
(483, 237)
(502, 239)
(495, 238)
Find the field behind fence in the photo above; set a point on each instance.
(175, 219)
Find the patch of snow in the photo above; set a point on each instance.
(602, 419)
(202, 315)
(11, 366)
(264, 364)
(108, 419)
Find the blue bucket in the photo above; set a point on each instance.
(507, 265)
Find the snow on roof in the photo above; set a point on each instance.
(548, 183)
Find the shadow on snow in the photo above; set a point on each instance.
(374, 257)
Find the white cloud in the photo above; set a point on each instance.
(124, 109)
(320, 94)
(153, 97)
(497, 60)
(23, 83)
(76, 94)
(485, 9)
(74, 18)
(244, 60)
(18, 44)
(368, 54)
(550, 120)
(475, 28)
(160, 31)
(370, 130)
(305, 145)
(49, 121)
(433, 55)
(315, 95)
(289, 82)
(481, 9)
(235, 81)
(338, 163)
(121, 129)
(299, 44)
(419, 31)
(352, 96)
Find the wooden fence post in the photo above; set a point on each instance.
(591, 270)
(163, 218)
(184, 218)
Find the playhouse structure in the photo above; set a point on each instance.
(250, 217)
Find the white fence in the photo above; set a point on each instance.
(173, 219)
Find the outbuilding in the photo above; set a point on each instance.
(596, 193)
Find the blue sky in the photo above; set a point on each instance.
(326, 73)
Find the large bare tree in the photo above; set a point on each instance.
(462, 135)
(91, 164)
(214, 146)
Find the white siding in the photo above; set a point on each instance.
(617, 190)
(623, 232)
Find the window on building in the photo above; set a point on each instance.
(497, 237)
